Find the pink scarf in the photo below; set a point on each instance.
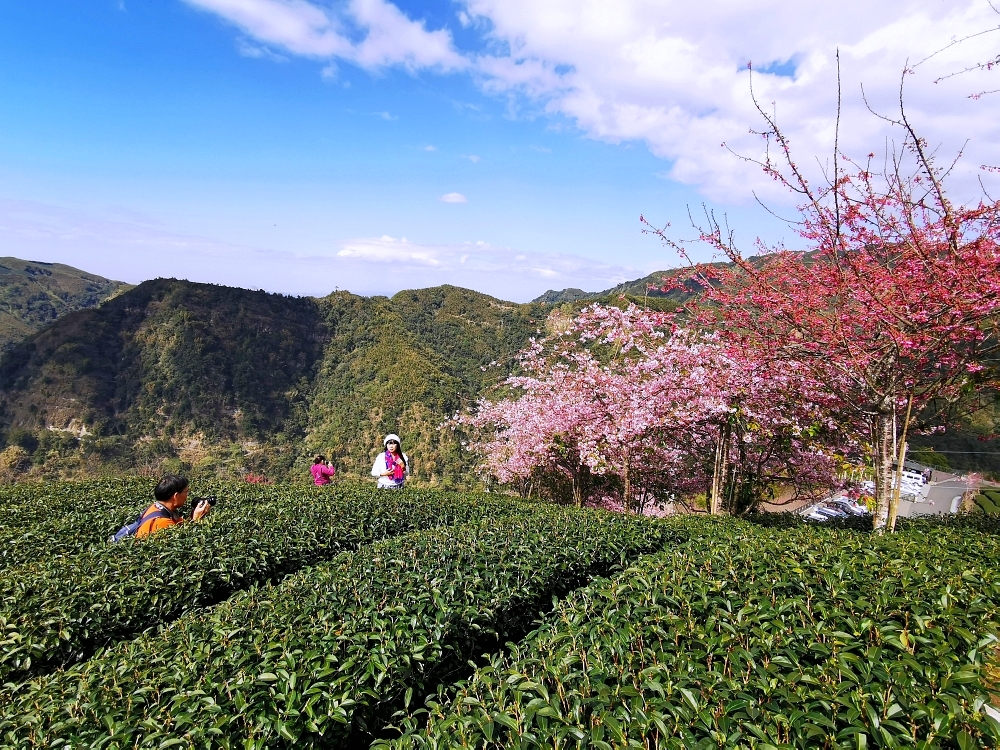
(397, 465)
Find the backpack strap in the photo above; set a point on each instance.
(160, 512)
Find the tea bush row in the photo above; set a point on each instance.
(986, 504)
(40, 521)
(60, 611)
(802, 637)
(326, 657)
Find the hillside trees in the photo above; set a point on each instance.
(893, 306)
(175, 376)
(401, 365)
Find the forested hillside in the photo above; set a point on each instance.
(403, 365)
(218, 381)
(223, 381)
(33, 294)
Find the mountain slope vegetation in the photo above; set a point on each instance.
(403, 365)
(34, 294)
(211, 379)
(217, 381)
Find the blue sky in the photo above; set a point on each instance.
(301, 146)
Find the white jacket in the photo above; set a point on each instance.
(379, 466)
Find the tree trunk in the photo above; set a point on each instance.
(580, 482)
(713, 495)
(897, 488)
(898, 485)
(628, 484)
(883, 470)
(720, 470)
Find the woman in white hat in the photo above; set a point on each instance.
(393, 466)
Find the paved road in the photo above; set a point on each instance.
(939, 499)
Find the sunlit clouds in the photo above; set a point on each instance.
(675, 75)
(388, 37)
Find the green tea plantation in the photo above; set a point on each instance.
(349, 617)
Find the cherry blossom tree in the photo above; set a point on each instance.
(892, 305)
(779, 430)
(593, 401)
(625, 394)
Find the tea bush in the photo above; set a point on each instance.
(803, 637)
(789, 520)
(39, 521)
(60, 611)
(326, 657)
(985, 503)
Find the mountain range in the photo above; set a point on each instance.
(201, 378)
(171, 375)
(646, 288)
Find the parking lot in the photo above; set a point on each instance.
(942, 495)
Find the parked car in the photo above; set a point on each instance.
(849, 507)
(824, 512)
(816, 516)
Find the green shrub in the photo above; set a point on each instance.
(789, 520)
(60, 611)
(993, 495)
(798, 638)
(985, 503)
(326, 657)
(39, 521)
(930, 457)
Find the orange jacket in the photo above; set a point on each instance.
(156, 524)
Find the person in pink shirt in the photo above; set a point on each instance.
(321, 471)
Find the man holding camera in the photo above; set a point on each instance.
(171, 493)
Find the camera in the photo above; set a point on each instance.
(211, 500)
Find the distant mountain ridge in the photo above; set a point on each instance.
(33, 294)
(202, 378)
(646, 287)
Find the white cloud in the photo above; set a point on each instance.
(387, 36)
(473, 158)
(249, 49)
(386, 248)
(673, 75)
(454, 198)
(430, 148)
(483, 266)
(121, 244)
